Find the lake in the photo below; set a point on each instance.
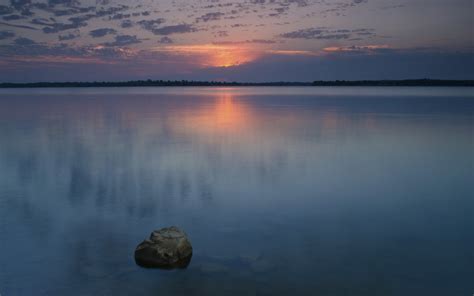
(282, 191)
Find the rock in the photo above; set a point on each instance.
(166, 248)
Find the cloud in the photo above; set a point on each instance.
(5, 10)
(72, 11)
(69, 36)
(211, 16)
(6, 35)
(12, 17)
(76, 22)
(221, 33)
(323, 33)
(27, 50)
(19, 4)
(81, 18)
(63, 2)
(151, 25)
(356, 49)
(177, 29)
(120, 16)
(110, 10)
(254, 41)
(24, 41)
(123, 40)
(165, 40)
(126, 24)
(102, 32)
(17, 26)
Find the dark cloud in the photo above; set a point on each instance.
(281, 10)
(5, 9)
(327, 34)
(6, 35)
(315, 33)
(24, 47)
(42, 22)
(12, 17)
(262, 41)
(300, 3)
(58, 27)
(238, 25)
(75, 23)
(63, 2)
(72, 11)
(26, 12)
(69, 36)
(24, 41)
(120, 16)
(17, 26)
(123, 40)
(177, 29)
(111, 10)
(165, 40)
(211, 16)
(97, 33)
(19, 4)
(151, 25)
(221, 33)
(79, 15)
(126, 24)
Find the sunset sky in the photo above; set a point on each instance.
(249, 40)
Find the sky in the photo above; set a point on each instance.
(233, 40)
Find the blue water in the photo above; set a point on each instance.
(282, 191)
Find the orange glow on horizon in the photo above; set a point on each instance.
(227, 55)
(213, 55)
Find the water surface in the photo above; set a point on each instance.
(282, 191)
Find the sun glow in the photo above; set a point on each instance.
(212, 55)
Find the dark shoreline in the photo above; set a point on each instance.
(189, 83)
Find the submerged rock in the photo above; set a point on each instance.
(166, 248)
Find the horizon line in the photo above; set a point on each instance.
(190, 83)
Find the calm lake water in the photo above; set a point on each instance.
(282, 191)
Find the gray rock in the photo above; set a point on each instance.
(166, 248)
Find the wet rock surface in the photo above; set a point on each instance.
(166, 248)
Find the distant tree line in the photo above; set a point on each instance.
(406, 82)
(149, 82)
